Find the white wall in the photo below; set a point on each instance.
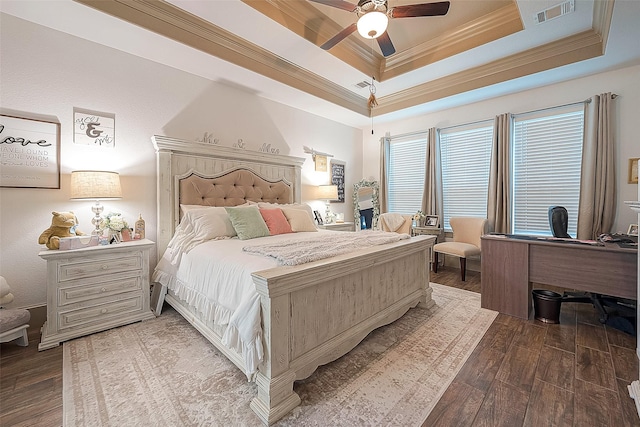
(623, 82)
(46, 72)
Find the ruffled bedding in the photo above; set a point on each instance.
(210, 270)
(214, 277)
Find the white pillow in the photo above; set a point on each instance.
(300, 206)
(299, 219)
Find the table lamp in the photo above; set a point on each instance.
(327, 193)
(95, 185)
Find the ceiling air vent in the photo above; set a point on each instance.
(362, 84)
(554, 12)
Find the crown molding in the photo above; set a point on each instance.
(493, 26)
(579, 47)
(170, 21)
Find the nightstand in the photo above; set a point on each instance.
(431, 231)
(96, 288)
(339, 226)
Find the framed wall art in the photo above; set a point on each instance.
(633, 170)
(94, 128)
(337, 178)
(29, 153)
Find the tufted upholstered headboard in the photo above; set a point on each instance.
(232, 188)
(195, 173)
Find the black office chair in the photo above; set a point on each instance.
(559, 223)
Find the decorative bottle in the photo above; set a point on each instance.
(139, 228)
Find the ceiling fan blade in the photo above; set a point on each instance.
(340, 4)
(385, 44)
(339, 37)
(416, 10)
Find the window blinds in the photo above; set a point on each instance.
(547, 155)
(405, 178)
(466, 157)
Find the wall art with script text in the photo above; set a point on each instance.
(94, 128)
(29, 153)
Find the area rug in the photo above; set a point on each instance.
(162, 372)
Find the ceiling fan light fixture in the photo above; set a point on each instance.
(372, 24)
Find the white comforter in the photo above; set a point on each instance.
(215, 278)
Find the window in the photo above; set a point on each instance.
(547, 154)
(466, 157)
(405, 176)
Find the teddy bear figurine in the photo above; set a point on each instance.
(63, 224)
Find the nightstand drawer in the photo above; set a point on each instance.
(99, 266)
(100, 313)
(79, 293)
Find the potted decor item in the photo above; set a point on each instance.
(113, 224)
(418, 219)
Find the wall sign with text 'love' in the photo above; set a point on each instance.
(94, 128)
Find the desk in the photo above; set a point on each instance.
(510, 265)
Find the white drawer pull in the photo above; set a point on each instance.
(103, 311)
(103, 290)
(105, 267)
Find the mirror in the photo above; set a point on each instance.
(366, 207)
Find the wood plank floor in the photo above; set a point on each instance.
(529, 373)
(523, 373)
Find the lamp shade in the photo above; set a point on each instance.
(95, 185)
(371, 25)
(327, 192)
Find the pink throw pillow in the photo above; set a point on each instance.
(276, 221)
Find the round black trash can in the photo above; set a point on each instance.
(546, 305)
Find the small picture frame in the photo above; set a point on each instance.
(431, 221)
(633, 230)
(318, 217)
(633, 170)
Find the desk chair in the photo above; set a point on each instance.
(467, 232)
(558, 222)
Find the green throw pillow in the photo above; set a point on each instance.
(248, 222)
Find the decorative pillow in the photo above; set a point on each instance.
(276, 221)
(299, 219)
(198, 226)
(248, 222)
(301, 206)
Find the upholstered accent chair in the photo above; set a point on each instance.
(395, 222)
(467, 232)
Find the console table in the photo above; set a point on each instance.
(511, 263)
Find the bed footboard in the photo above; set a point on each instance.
(314, 313)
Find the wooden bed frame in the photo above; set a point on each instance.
(312, 313)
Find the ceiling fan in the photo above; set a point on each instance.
(373, 17)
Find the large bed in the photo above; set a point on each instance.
(309, 314)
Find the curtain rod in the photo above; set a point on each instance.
(405, 135)
(586, 101)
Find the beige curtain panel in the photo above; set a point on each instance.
(499, 194)
(384, 163)
(432, 200)
(597, 206)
